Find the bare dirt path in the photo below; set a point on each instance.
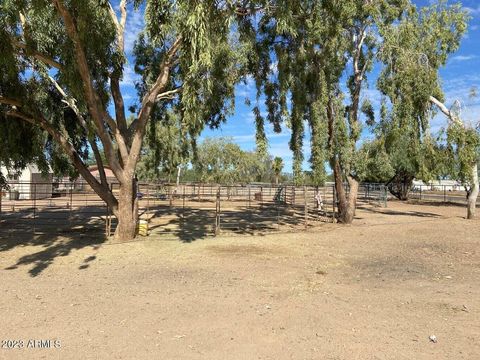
(375, 290)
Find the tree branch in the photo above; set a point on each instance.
(37, 55)
(119, 104)
(149, 101)
(10, 101)
(96, 109)
(115, 76)
(120, 25)
(451, 116)
(99, 161)
(100, 189)
(71, 102)
(168, 94)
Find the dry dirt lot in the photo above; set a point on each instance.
(375, 290)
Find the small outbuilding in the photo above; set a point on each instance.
(29, 184)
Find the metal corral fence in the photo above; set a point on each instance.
(188, 211)
(448, 194)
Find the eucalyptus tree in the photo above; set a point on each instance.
(413, 52)
(401, 152)
(305, 50)
(62, 63)
(166, 150)
(222, 161)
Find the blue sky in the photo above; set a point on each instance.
(461, 73)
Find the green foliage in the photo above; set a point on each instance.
(40, 55)
(166, 148)
(277, 165)
(401, 147)
(223, 162)
(462, 150)
(210, 62)
(375, 163)
(303, 50)
(413, 51)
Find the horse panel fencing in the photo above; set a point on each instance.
(188, 210)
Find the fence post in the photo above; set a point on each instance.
(334, 202)
(217, 213)
(444, 194)
(305, 204)
(34, 205)
(385, 192)
(71, 199)
(183, 209)
(107, 232)
(148, 200)
(109, 217)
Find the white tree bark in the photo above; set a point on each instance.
(473, 195)
(474, 186)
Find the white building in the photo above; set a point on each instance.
(438, 185)
(447, 185)
(28, 184)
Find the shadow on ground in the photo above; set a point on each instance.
(55, 232)
(385, 211)
(190, 224)
(58, 232)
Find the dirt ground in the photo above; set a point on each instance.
(374, 290)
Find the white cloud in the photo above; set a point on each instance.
(473, 11)
(247, 89)
(135, 24)
(240, 139)
(463, 57)
(129, 76)
(274, 68)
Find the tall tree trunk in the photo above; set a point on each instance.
(347, 203)
(473, 194)
(351, 200)
(276, 179)
(127, 211)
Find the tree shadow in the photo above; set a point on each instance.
(400, 213)
(189, 224)
(439, 203)
(57, 232)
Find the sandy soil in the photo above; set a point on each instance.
(375, 290)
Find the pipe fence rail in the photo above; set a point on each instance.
(446, 194)
(188, 211)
